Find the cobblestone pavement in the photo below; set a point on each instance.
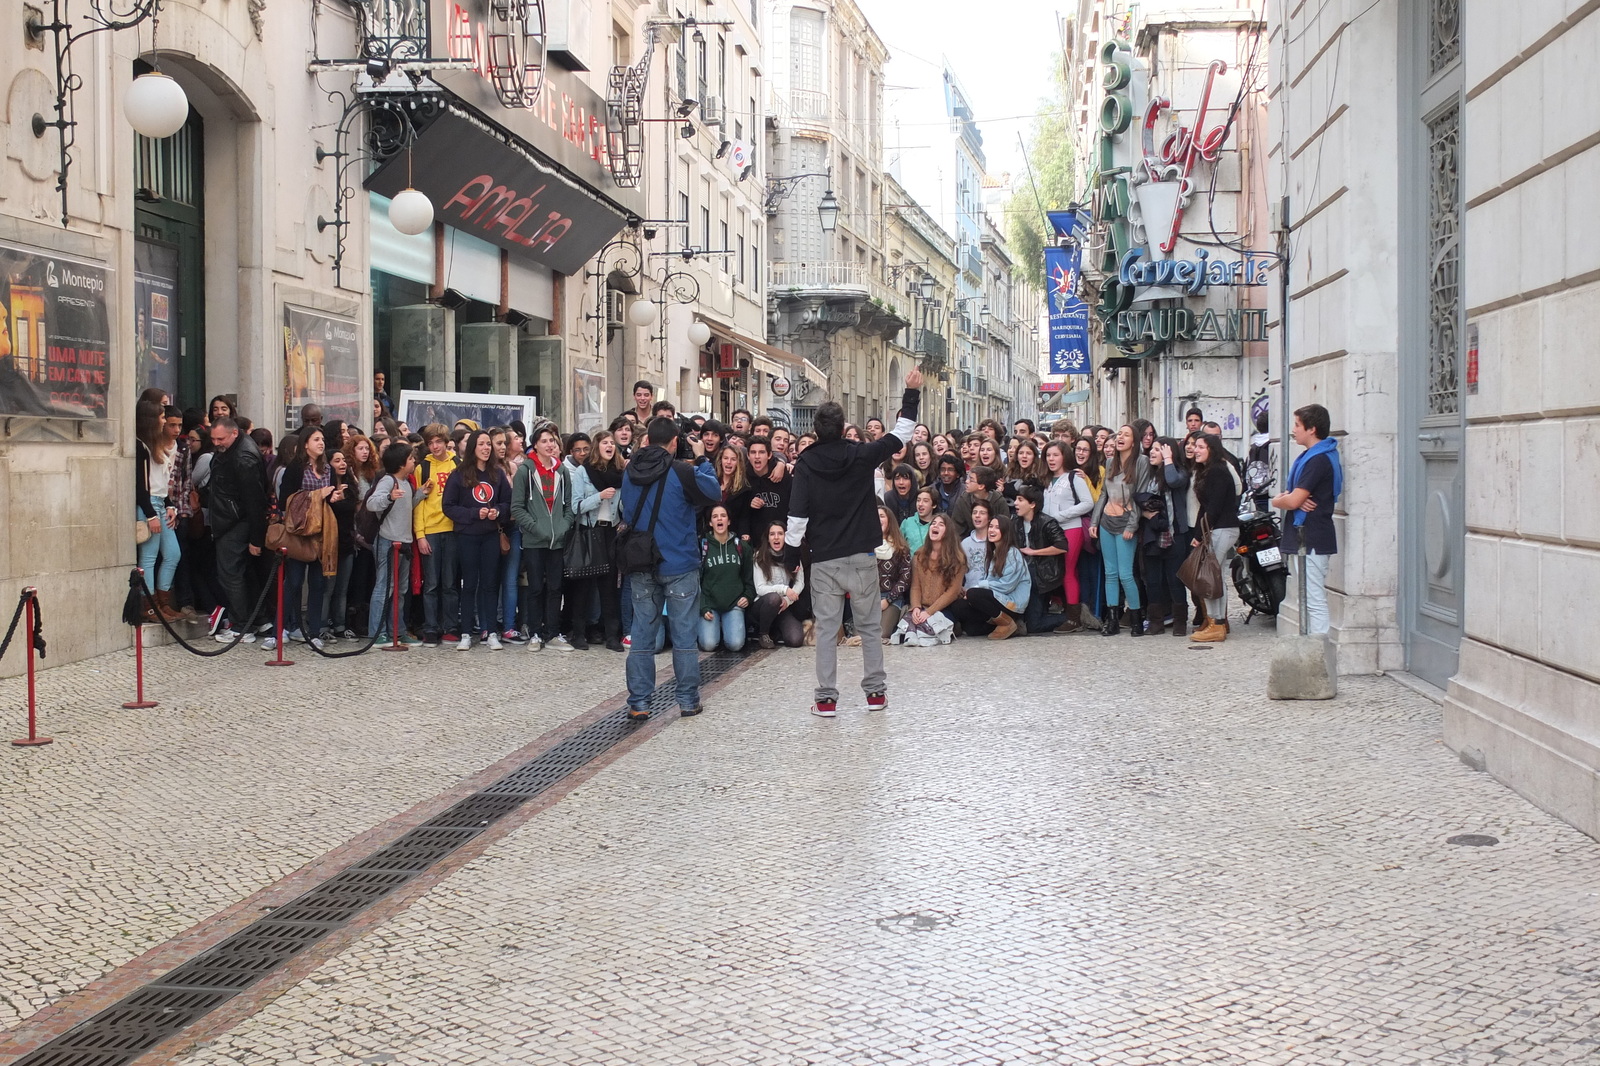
(135, 825)
(1054, 850)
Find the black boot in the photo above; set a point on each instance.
(1110, 621)
(1135, 621)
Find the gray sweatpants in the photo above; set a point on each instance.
(855, 576)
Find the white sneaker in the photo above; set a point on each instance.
(492, 643)
(228, 636)
(534, 643)
(465, 643)
(559, 643)
(270, 643)
(318, 643)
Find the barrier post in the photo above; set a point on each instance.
(279, 660)
(33, 739)
(394, 582)
(139, 703)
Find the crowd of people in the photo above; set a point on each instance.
(504, 536)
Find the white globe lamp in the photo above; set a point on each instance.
(699, 333)
(156, 106)
(410, 211)
(642, 313)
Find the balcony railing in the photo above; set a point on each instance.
(930, 345)
(983, 387)
(972, 262)
(807, 105)
(816, 276)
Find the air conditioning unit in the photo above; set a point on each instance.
(712, 111)
(616, 308)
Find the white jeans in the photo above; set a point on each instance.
(1222, 542)
(1317, 593)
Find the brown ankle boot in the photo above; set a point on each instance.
(1156, 617)
(1004, 626)
(1180, 620)
(164, 607)
(1072, 621)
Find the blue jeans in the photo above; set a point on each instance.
(441, 586)
(510, 588)
(336, 594)
(625, 597)
(728, 625)
(165, 544)
(381, 611)
(480, 580)
(296, 576)
(1116, 552)
(681, 594)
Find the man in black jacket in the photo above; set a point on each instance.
(833, 507)
(238, 511)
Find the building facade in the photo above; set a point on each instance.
(827, 300)
(919, 261)
(1441, 277)
(1170, 111)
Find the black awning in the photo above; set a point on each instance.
(483, 186)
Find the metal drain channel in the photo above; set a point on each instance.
(177, 999)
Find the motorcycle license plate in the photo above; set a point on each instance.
(1269, 556)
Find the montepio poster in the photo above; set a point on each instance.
(55, 334)
(322, 365)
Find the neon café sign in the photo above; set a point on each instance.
(1193, 276)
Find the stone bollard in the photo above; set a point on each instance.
(1303, 667)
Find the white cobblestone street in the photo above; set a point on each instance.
(1054, 850)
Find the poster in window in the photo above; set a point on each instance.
(322, 365)
(55, 334)
(155, 322)
(588, 401)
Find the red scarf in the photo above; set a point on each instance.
(547, 481)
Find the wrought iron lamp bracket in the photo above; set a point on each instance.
(102, 15)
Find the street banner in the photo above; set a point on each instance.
(55, 334)
(1069, 225)
(322, 355)
(1069, 316)
(155, 316)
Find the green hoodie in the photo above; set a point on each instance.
(726, 575)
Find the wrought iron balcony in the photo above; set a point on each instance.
(932, 346)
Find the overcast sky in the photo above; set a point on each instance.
(1002, 52)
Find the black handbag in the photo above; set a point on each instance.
(637, 551)
(588, 553)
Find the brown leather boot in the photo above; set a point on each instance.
(1072, 620)
(1180, 619)
(149, 615)
(1004, 626)
(1156, 617)
(164, 606)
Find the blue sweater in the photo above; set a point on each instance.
(676, 533)
(1014, 585)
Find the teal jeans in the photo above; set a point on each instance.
(1116, 552)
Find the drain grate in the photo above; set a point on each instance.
(177, 999)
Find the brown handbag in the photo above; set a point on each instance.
(301, 548)
(1201, 573)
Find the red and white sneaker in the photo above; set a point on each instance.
(214, 622)
(877, 701)
(825, 708)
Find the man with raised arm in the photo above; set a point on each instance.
(834, 510)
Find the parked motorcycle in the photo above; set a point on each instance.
(1260, 574)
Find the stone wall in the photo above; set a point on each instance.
(1335, 149)
(1526, 702)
